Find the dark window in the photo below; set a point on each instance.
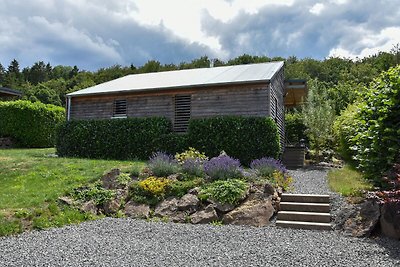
(182, 113)
(119, 109)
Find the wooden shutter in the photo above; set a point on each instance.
(182, 113)
(119, 109)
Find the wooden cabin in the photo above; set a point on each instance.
(9, 94)
(247, 90)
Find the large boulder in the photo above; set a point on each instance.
(168, 208)
(359, 220)
(90, 207)
(188, 203)
(109, 180)
(254, 212)
(136, 210)
(204, 216)
(390, 219)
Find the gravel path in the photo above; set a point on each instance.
(127, 242)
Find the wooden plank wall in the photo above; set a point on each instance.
(278, 112)
(246, 100)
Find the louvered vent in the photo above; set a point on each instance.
(182, 113)
(119, 109)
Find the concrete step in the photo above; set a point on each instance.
(300, 206)
(304, 216)
(308, 198)
(304, 225)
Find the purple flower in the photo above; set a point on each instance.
(223, 167)
(266, 166)
(162, 164)
(193, 166)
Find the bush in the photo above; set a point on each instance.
(230, 191)
(295, 129)
(223, 167)
(244, 138)
(375, 140)
(94, 192)
(265, 167)
(282, 180)
(171, 143)
(155, 186)
(192, 162)
(30, 124)
(162, 164)
(191, 153)
(131, 138)
(180, 188)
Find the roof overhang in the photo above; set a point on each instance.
(9, 92)
(295, 92)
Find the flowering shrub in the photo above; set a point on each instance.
(223, 167)
(162, 164)
(280, 179)
(229, 191)
(193, 167)
(265, 167)
(191, 154)
(155, 186)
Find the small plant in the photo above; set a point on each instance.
(229, 191)
(280, 179)
(162, 164)
(93, 192)
(180, 188)
(155, 186)
(136, 170)
(124, 179)
(217, 223)
(223, 167)
(193, 167)
(265, 167)
(191, 154)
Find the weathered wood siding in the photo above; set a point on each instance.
(277, 109)
(246, 100)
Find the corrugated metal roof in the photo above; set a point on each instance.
(186, 78)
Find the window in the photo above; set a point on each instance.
(182, 113)
(119, 108)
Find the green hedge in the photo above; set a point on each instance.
(131, 138)
(295, 129)
(30, 124)
(244, 138)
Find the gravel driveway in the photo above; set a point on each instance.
(126, 242)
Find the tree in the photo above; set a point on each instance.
(319, 116)
(13, 77)
(2, 74)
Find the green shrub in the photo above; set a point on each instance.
(375, 137)
(295, 129)
(180, 188)
(223, 167)
(150, 190)
(229, 191)
(244, 138)
(131, 138)
(191, 153)
(94, 192)
(30, 124)
(171, 143)
(9, 226)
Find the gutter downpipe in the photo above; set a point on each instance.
(68, 107)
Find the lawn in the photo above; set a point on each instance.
(32, 180)
(348, 181)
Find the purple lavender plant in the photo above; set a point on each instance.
(162, 164)
(266, 166)
(193, 166)
(223, 167)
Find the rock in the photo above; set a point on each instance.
(89, 207)
(358, 220)
(269, 189)
(224, 208)
(136, 210)
(111, 207)
(204, 216)
(390, 219)
(194, 191)
(254, 212)
(188, 203)
(167, 207)
(110, 179)
(175, 177)
(66, 201)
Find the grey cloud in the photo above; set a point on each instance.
(86, 34)
(284, 31)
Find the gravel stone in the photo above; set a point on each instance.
(129, 242)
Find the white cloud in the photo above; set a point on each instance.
(317, 8)
(370, 44)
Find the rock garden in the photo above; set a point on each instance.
(188, 188)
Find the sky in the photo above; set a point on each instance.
(93, 34)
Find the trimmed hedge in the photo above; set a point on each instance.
(244, 138)
(131, 138)
(30, 124)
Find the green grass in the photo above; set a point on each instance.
(32, 180)
(348, 181)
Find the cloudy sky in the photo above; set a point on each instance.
(99, 33)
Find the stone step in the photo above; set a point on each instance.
(304, 225)
(300, 206)
(308, 198)
(304, 216)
